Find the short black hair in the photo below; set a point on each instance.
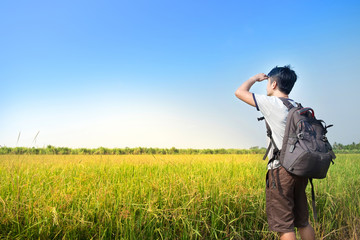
(284, 77)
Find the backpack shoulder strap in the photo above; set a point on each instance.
(287, 103)
(272, 142)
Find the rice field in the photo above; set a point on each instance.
(160, 197)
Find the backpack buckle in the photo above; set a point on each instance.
(292, 147)
(300, 135)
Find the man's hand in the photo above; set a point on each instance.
(243, 91)
(259, 77)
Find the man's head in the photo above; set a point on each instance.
(284, 77)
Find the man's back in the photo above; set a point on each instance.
(275, 113)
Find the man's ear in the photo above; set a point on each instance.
(273, 84)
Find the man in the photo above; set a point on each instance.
(286, 202)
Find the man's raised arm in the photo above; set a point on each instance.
(243, 92)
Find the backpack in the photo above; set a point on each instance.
(306, 151)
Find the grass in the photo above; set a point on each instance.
(159, 197)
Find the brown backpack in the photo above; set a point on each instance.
(305, 151)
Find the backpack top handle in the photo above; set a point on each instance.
(305, 110)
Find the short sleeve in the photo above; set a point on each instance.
(264, 104)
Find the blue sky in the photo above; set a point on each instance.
(164, 73)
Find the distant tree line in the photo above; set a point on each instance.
(50, 150)
(350, 148)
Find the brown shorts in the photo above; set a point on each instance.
(286, 203)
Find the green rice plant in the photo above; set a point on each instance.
(159, 197)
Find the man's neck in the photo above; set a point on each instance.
(280, 94)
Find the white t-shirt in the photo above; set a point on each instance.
(275, 113)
